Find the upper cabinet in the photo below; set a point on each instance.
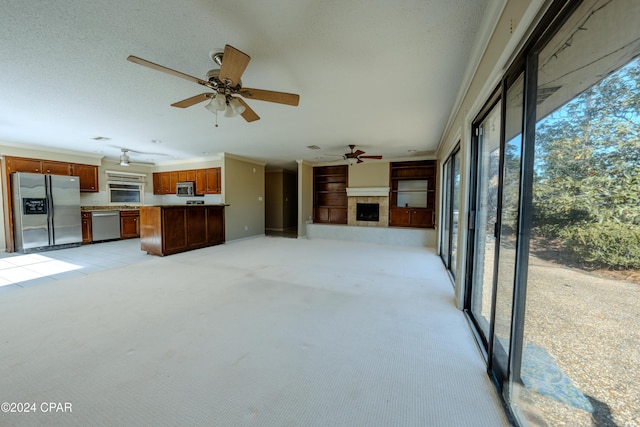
(88, 174)
(208, 181)
(88, 177)
(56, 168)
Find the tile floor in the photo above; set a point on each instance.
(19, 270)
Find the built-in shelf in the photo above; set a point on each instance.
(412, 201)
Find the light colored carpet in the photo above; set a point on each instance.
(261, 332)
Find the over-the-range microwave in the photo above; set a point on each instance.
(186, 189)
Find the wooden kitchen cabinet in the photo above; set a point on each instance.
(187, 175)
(208, 181)
(56, 168)
(129, 224)
(86, 228)
(18, 164)
(170, 229)
(88, 175)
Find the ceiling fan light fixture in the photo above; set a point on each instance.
(230, 112)
(211, 106)
(351, 160)
(237, 106)
(124, 158)
(220, 102)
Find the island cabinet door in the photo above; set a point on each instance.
(174, 223)
(196, 227)
(215, 225)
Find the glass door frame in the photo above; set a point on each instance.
(493, 100)
(448, 181)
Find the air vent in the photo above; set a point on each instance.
(313, 147)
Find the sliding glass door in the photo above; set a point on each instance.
(450, 202)
(483, 221)
(553, 265)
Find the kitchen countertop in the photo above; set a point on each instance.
(109, 208)
(136, 208)
(188, 206)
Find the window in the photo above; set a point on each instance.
(125, 187)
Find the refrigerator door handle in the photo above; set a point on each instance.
(52, 237)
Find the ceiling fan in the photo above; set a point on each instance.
(125, 159)
(356, 156)
(225, 83)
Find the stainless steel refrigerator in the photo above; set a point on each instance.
(46, 211)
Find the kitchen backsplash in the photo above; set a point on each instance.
(101, 199)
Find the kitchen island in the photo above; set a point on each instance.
(169, 229)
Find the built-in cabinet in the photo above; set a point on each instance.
(87, 236)
(88, 177)
(129, 224)
(88, 174)
(330, 194)
(207, 181)
(413, 191)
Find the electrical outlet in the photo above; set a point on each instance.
(246, 227)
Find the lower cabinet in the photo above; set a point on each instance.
(166, 230)
(411, 217)
(129, 224)
(86, 227)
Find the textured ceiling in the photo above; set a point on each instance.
(380, 74)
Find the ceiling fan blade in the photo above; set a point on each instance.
(233, 65)
(271, 96)
(248, 114)
(358, 152)
(192, 101)
(370, 157)
(164, 69)
(359, 161)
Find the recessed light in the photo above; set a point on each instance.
(412, 151)
(205, 152)
(156, 141)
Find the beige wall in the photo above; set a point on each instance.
(243, 189)
(273, 200)
(369, 174)
(305, 196)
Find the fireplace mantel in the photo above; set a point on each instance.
(368, 192)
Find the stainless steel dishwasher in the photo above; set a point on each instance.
(105, 225)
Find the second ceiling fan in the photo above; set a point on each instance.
(225, 83)
(357, 156)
